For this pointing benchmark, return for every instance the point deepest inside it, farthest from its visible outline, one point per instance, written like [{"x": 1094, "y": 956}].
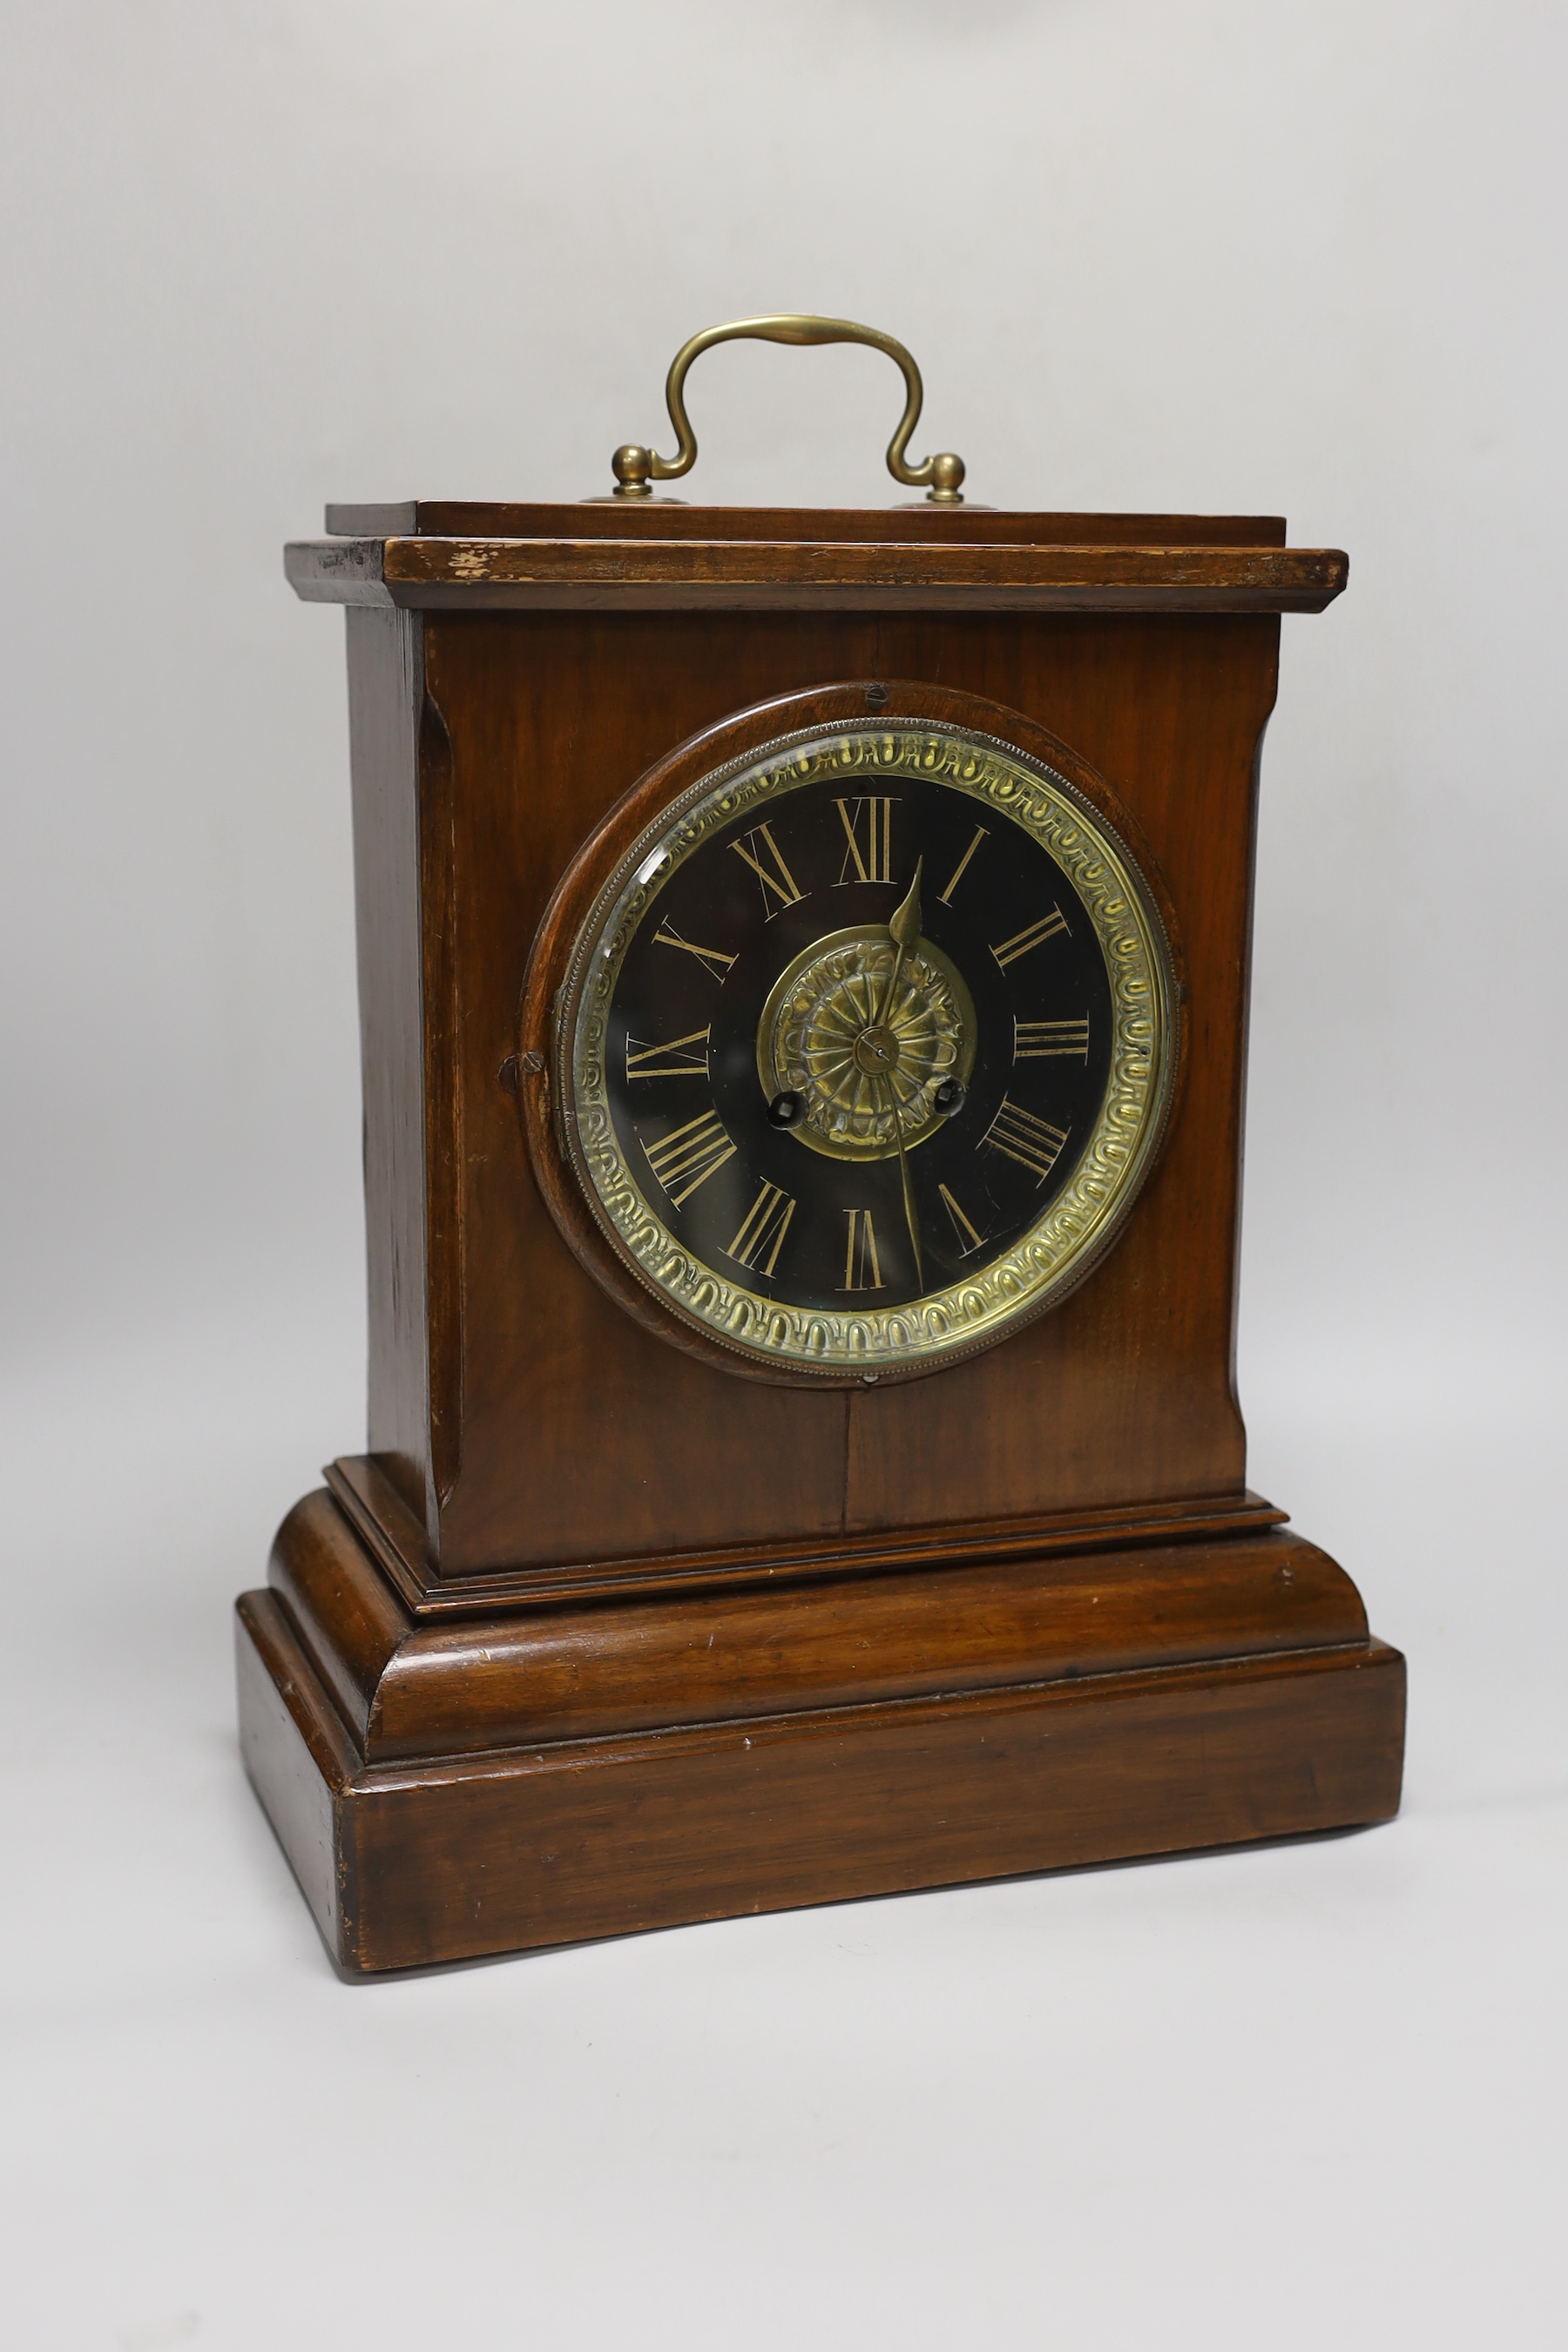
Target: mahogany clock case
[{"x": 597, "y": 1634}]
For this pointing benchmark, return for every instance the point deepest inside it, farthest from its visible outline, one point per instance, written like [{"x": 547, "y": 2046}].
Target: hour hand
[{"x": 905, "y": 928}]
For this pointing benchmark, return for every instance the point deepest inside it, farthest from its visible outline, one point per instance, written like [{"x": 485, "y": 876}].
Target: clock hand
[
  {"x": 904, "y": 1179},
  {"x": 905, "y": 928}
]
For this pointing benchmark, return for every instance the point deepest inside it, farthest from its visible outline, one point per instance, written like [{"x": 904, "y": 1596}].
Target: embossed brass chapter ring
[{"x": 864, "y": 1048}]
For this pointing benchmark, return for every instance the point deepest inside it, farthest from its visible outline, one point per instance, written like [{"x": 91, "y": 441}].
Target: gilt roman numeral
[
  {"x": 711, "y": 959},
  {"x": 868, "y": 829},
  {"x": 980, "y": 834},
  {"x": 861, "y": 1271},
  {"x": 1033, "y": 1142},
  {"x": 765, "y": 1223},
  {"x": 672, "y": 1061},
  {"x": 968, "y": 1240},
  {"x": 689, "y": 1155},
  {"x": 767, "y": 864},
  {"x": 1040, "y": 1041},
  {"x": 1009, "y": 950}
]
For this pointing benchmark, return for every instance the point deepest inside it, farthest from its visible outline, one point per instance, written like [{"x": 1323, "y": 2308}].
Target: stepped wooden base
[{"x": 548, "y": 1776}]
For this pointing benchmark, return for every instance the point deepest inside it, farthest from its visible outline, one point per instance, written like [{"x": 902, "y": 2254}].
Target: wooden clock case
[{"x": 597, "y": 1635}]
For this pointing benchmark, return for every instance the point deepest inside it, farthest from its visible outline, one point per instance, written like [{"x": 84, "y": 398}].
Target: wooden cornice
[{"x": 652, "y": 568}]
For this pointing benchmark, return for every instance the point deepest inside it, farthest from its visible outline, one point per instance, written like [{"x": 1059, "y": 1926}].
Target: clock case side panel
[
  {"x": 1243, "y": 1050},
  {"x": 386, "y": 673}
]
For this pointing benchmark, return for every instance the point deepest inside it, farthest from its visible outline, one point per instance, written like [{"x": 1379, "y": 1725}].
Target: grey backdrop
[{"x": 1302, "y": 259}]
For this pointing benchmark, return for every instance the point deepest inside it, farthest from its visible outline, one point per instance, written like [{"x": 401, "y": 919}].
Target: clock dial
[{"x": 868, "y": 1044}]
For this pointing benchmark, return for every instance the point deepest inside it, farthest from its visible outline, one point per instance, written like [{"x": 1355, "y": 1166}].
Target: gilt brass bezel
[{"x": 1080, "y": 1223}]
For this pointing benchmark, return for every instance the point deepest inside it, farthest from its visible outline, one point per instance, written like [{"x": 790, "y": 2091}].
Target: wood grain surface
[
  {"x": 395, "y": 1539},
  {"x": 424, "y": 1860},
  {"x": 588, "y": 574},
  {"x": 916, "y": 522},
  {"x": 525, "y": 1418},
  {"x": 409, "y": 1686}
]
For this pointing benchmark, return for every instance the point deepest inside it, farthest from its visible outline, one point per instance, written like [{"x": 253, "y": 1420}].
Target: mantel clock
[{"x": 802, "y": 981}]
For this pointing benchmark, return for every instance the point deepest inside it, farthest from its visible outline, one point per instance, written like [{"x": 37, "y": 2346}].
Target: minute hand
[
  {"x": 905, "y": 928},
  {"x": 909, "y": 1195}
]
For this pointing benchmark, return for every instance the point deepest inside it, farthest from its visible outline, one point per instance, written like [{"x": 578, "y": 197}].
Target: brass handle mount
[{"x": 636, "y": 468}]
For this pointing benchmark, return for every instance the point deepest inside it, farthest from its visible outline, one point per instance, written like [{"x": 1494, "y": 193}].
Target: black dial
[
  {"x": 869, "y": 1044},
  {"x": 764, "y": 971}
]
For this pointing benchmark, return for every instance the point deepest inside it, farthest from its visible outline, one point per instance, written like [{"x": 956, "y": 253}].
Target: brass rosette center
[{"x": 829, "y": 1033}]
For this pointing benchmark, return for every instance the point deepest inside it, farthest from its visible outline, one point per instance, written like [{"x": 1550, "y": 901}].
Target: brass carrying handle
[{"x": 636, "y": 468}]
